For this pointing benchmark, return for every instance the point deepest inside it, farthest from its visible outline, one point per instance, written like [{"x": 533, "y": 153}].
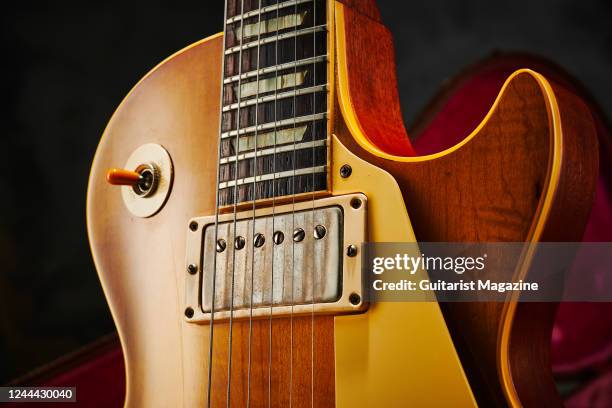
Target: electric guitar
[{"x": 235, "y": 186}]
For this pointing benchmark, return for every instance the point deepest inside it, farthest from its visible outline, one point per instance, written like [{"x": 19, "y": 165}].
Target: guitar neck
[{"x": 274, "y": 133}]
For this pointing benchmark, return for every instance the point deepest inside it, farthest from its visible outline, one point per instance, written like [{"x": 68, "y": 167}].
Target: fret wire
[
  {"x": 270, "y": 151},
  {"x": 270, "y": 176},
  {"x": 269, "y": 70},
  {"x": 269, "y": 40},
  {"x": 282, "y": 95},
  {"x": 254, "y": 13},
  {"x": 272, "y": 125},
  {"x": 283, "y": 188},
  {"x": 267, "y": 165}
]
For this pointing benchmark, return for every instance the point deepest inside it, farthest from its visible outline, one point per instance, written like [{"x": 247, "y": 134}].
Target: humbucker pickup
[{"x": 296, "y": 259}]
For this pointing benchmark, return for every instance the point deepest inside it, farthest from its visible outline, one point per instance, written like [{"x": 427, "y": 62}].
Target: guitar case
[{"x": 582, "y": 336}]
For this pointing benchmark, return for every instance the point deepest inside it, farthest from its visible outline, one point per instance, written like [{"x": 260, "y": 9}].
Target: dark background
[{"x": 69, "y": 64}]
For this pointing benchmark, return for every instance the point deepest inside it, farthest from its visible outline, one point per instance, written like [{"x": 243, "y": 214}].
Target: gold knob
[{"x": 122, "y": 177}]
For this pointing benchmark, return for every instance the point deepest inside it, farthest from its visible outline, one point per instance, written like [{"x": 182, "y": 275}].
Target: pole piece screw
[
  {"x": 221, "y": 245},
  {"x": 278, "y": 237},
  {"x": 259, "y": 240},
  {"x": 239, "y": 242},
  {"x": 298, "y": 235},
  {"x": 319, "y": 231}
]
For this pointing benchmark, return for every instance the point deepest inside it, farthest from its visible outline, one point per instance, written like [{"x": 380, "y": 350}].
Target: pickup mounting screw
[
  {"x": 345, "y": 171},
  {"x": 221, "y": 245},
  {"x": 351, "y": 250},
  {"x": 298, "y": 235},
  {"x": 259, "y": 240},
  {"x": 278, "y": 237},
  {"x": 239, "y": 242},
  {"x": 192, "y": 269},
  {"x": 355, "y": 299},
  {"x": 355, "y": 203},
  {"x": 319, "y": 231},
  {"x": 189, "y": 312},
  {"x": 193, "y": 226}
]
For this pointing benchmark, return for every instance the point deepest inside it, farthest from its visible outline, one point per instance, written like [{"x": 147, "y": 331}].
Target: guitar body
[{"x": 526, "y": 169}]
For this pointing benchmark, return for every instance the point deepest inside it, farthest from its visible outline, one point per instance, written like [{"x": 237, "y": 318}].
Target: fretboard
[{"x": 275, "y": 91}]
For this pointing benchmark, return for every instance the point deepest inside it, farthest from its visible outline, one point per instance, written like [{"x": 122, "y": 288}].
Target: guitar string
[
  {"x": 313, "y": 133},
  {"x": 248, "y": 403},
  {"x": 273, "y": 209},
  {"x": 235, "y": 209},
  {"x": 293, "y": 205},
  {"x": 217, "y": 204}
]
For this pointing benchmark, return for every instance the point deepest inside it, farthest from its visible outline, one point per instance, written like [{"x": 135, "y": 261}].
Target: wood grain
[
  {"x": 366, "y": 7},
  {"x": 374, "y": 83}
]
